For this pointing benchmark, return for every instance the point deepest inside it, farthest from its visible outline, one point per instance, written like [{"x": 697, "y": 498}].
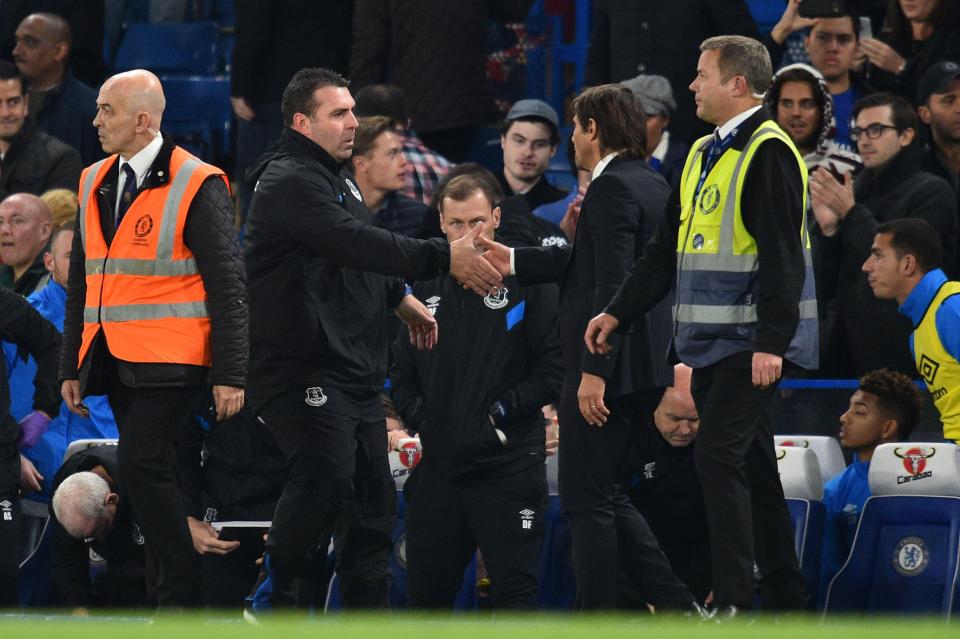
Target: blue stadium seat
[
  {"x": 800, "y": 475},
  {"x": 186, "y": 48},
  {"x": 904, "y": 558},
  {"x": 906, "y": 553},
  {"x": 198, "y": 114},
  {"x": 808, "y": 517}
]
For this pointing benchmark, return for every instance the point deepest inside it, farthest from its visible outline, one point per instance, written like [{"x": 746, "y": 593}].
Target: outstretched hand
[
  {"x": 470, "y": 268},
  {"x": 496, "y": 254}
]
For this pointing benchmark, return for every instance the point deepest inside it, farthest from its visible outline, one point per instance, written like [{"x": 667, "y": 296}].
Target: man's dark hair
[
  {"x": 382, "y": 99},
  {"x": 462, "y": 187},
  {"x": 9, "y": 71},
  {"x": 619, "y": 117},
  {"x": 916, "y": 237},
  {"x": 298, "y": 96},
  {"x": 854, "y": 23},
  {"x": 368, "y": 130},
  {"x": 904, "y": 117},
  {"x": 554, "y": 132},
  {"x": 492, "y": 188},
  {"x": 796, "y": 75},
  {"x": 898, "y": 398}
]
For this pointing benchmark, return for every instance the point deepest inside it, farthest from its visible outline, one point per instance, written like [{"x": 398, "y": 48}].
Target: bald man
[
  {"x": 664, "y": 487},
  {"x": 156, "y": 309},
  {"x": 62, "y": 105},
  {"x": 25, "y": 224}
]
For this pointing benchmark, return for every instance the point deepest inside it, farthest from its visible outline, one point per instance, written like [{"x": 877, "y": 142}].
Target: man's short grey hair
[
  {"x": 81, "y": 497},
  {"x": 744, "y": 56}
]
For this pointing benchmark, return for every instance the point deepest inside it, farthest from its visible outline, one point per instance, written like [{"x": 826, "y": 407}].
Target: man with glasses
[
  {"x": 870, "y": 334},
  {"x": 832, "y": 47}
]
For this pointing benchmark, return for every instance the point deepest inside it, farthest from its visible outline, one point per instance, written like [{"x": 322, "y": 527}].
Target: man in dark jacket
[
  {"x": 397, "y": 42},
  {"x": 529, "y": 138},
  {"x": 871, "y": 333},
  {"x": 167, "y": 317},
  {"x": 734, "y": 250},
  {"x": 111, "y": 533},
  {"x": 30, "y": 161},
  {"x": 620, "y": 210},
  {"x": 62, "y": 106},
  {"x": 664, "y": 486},
  {"x": 321, "y": 280},
  {"x": 475, "y": 400},
  {"x": 23, "y": 326},
  {"x": 660, "y": 37}
]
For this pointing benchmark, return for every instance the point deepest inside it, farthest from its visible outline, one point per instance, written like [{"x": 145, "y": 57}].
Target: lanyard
[{"x": 717, "y": 148}]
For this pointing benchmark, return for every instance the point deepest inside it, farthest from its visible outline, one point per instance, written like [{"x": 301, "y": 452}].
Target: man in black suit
[
  {"x": 737, "y": 254},
  {"x": 605, "y": 398}
]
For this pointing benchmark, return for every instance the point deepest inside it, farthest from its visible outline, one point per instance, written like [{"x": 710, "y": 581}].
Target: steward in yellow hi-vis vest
[
  {"x": 934, "y": 307},
  {"x": 717, "y": 260},
  {"x": 144, "y": 290}
]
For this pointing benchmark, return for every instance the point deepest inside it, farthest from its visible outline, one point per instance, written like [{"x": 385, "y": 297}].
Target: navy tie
[{"x": 129, "y": 191}]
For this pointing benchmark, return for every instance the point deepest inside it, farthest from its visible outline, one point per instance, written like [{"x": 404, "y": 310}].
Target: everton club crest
[{"x": 498, "y": 299}]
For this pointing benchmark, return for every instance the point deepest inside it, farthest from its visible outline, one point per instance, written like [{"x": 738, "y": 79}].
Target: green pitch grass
[{"x": 402, "y": 626}]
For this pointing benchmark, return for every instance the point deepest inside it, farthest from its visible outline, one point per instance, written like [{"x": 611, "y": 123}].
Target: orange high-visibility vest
[{"x": 144, "y": 290}]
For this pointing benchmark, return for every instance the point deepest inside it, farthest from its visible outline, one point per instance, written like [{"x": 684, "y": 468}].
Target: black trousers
[
  {"x": 607, "y": 533},
  {"x": 11, "y": 524},
  {"x": 227, "y": 578},
  {"x": 447, "y": 519},
  {"x": 747, "y": 516},
  {"x": 339, "y": 481},
  {"x": 150, "y": 421}
]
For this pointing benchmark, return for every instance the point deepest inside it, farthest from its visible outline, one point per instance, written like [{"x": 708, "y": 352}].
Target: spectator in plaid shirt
[{"x": 425, "y": 167}]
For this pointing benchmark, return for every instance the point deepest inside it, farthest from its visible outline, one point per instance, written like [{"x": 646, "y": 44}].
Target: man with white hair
[
  {"x": 91, "y": 513},
  {"x": 156, "y": 309}
]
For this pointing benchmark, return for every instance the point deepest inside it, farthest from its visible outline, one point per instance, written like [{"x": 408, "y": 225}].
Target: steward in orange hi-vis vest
[{"x": 144, "y": 290}]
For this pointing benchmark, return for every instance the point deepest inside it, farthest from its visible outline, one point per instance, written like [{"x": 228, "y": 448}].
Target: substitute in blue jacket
[
  {"x": 886, "y": 408},
  {"x": 905, "y": 264},
  {"x": 475, "y": 399},
  {"x": 47, "y": 452}
]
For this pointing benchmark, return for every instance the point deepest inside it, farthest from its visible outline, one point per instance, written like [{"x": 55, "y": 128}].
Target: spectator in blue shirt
[{"x": 886, "y": 408}]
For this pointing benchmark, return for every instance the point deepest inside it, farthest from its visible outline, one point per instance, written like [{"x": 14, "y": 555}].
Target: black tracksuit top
[{"x": 502, "y": 348}]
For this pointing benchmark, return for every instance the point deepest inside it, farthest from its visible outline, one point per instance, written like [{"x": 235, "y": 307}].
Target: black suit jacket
[{"x": 620, "y": 211}]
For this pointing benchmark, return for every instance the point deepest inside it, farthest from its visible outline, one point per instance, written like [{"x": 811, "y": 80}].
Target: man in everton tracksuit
[{"x": 475, "y": 400}]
